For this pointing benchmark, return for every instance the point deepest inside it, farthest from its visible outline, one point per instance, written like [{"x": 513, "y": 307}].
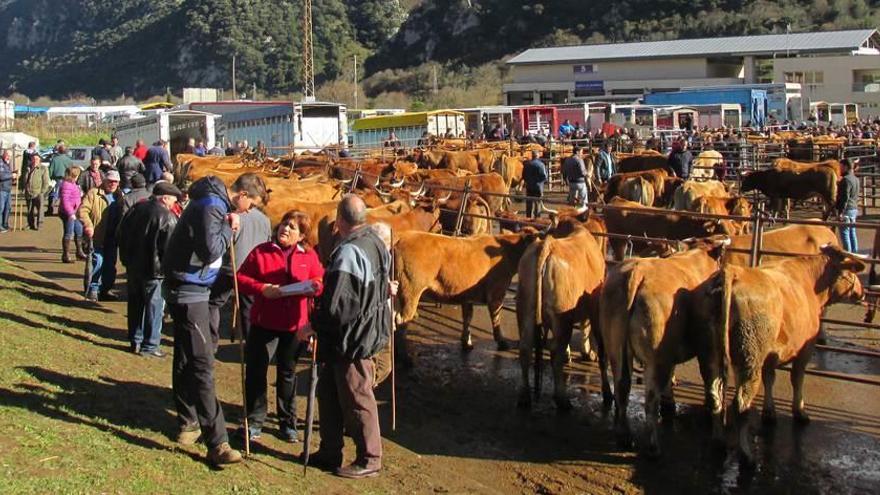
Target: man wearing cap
[
  {"x": 137, "y": 194},
  {"x": 143, "y": 240},
  {"x": 128, "y": 165},
  {"x": 99, "y": 214},
  {"x": 36, "y": 185}
]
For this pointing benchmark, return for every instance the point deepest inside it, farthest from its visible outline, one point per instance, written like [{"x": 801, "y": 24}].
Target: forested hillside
[{"x": 140, "y": 47}]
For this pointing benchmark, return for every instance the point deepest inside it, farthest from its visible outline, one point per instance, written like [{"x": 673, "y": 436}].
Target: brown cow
[
  {"x": 657, "y": 223},
  {"x": 723, "y": 205},
  {"x": 781, "y": 185},
  {"x": 788, "y": 164},
  {"x": 511, "y": 168},
  {"x": 655, "y": 177},
  {"x": 479, "y": 183},
  {"x": 645, "y": 315},
  {"x": 458, "y": 270},
  {"x": 769, "y": 316},
  {"x": 794, "y": 239},
  {"x": 639, "y": 190},
  {"x": 690, "y": 190},
  {"x": 643, "y": 162},
  {"x": 559, "y": 282}
]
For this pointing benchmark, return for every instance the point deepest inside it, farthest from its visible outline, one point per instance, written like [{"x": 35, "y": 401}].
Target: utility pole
[
  {"x": 355, "y": 80},
  {"x": 434, "y": 77},
  {"x": 234, "y": 93},
  {"x": 308, "y": 68},
  {"x": 254, "y": 92}
]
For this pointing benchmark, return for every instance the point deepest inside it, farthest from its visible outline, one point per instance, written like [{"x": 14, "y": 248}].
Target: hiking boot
[
  {"x": 223, "y": 454},
  {"x": 155, "y": 353},
  {"x": 355, "y": 472},
  {"x": 288, "y": 433},
  {"x": 92, "y": 296},
  {"x": 65, "y": 251},
  {"x": 254, "y": 433},
  {"x": 323, "y": 461},
  {"x": 78, "y": 244},
  {"x": 189, "y": 435},
  {"x": 135, "y": 348},
  {"x": 108, "y": 296}
]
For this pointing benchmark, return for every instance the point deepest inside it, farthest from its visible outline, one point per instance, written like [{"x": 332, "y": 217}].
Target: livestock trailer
[
  {"x": 531, "y": 119},
  {"x": 753, "y": 102},
  {"x": 481, "y": 120},
  {"x": 834, "y": 113},
  {"x": 285, "y": 127},
  {"x": 175, "y": 127},
  {"x": 408, "y": 128}
]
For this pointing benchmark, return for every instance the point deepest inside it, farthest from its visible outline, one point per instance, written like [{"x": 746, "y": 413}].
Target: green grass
[{"x": 80, "y": 415}]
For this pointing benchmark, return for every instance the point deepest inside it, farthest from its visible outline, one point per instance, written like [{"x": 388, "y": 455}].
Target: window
[{"x": 808, "y": 78}]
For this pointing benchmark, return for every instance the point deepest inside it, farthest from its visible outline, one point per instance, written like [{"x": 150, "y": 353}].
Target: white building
[{"x": 833, "y": 66}]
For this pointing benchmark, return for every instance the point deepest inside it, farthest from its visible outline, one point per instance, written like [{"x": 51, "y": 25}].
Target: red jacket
[
  {"x": 140, "y": 152},
  {"x": 268, "y": 263}
]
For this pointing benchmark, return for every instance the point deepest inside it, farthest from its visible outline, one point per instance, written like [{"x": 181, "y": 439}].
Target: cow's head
[
  {"x": 841, "y": 274},
  {"x": 714, "y": 245},
  {"x": 749, "y": 182}
]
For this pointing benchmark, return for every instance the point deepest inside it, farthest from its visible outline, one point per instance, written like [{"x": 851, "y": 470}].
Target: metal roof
[{"x": 824, "y": 41}]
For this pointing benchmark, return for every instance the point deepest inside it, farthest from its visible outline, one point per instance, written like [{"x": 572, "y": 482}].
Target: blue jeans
[
  {"x": 5, "y": 207},
  {"x": 103, "y": 269},
  {"x": 577, "y": 193},
  {"x": 72, "y": 227},
  {"x": 848, "y": 239},
  {"x": 146, "y": 308}
]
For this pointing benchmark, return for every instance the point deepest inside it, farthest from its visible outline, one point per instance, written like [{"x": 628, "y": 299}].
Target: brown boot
[
  {"x": 65, "y": 250},
  {"x": 80, "y": 253},
  {"x": 223, "y": 454}
]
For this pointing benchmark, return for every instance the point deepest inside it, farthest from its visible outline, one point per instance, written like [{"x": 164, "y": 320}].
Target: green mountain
[{"x": 104, "y": 49}]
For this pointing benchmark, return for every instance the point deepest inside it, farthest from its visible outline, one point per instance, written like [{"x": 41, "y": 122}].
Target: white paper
[{"x": 297, "y": 288}]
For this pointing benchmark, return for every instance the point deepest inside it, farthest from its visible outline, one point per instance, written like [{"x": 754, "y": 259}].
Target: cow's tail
[
  {"x": 722, "y": 333},
  {"x": 633, "y": 284},
  {"x": 540, "y": 268}
]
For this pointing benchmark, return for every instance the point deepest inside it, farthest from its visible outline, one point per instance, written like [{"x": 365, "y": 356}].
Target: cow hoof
[
  {"x": 503, "y": 345},
  {"x": 563, "y": 405},
  {"x": 590, "y": 357},
  {"x": 768, "y": 417},
  {"x": 467, "y": 346},
  {"x": 801, "y": 418}
]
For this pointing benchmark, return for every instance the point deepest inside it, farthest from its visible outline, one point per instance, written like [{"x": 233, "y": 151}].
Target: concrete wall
[
  {"x": 838, "y": 74},
  {"x": 685, "y": 68}
]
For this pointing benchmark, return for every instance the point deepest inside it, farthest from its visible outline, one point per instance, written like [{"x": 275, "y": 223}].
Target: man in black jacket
[
  {"x": 128, "y": 166},
  {"x": 192, "y": 263},
  {"x": 143, "y": 241},
  {"x": 680, "y": 159},
  {"x": 353, "y": 323},
  {"x": 534, "y": 175}
]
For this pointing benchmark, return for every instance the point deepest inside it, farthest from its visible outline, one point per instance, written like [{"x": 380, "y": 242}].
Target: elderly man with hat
[
  {"x": 99, "y": 213},
  {"x": 143, "y": 241}
]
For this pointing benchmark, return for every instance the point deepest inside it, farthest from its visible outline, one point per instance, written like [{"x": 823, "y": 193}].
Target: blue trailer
[{"x": 753, "y": 102}]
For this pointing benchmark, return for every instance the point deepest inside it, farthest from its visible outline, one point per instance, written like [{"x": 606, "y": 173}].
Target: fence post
[
  {"x": 354, "y": 181},
  {"x": 756, "y": 236},
  {"x": 460, "y": 218}
]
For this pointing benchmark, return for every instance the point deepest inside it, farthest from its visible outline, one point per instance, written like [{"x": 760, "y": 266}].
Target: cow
[
  {"x": 655, "y": 177},
  {"x": 645, "y": 314},
  {"x": 485, "y": 160},
  {"x": 642, "y": 221},
  {"x": 639, "y": 190},
  {"x": 458, "y": 270},
  {"x": 643, "y": 162},
  {"x": 690, "y": 190},
  {"x": 559, "y": 282},
  {"x": 490, "y": 187},
  {"x": 779, "y": 185},
  {"x": 452, "y": 160},
  {"x": 789, "y": 164},
  {"x": 723, "y": 205},
  {"x": 511, "y": 169},
  {"x": 794, "y": 239},
  {"x": 765, "y": 317},
  {"x": 706, "y": 163}
]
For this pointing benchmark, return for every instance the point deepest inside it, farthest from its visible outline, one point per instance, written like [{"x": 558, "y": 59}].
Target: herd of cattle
[{"x": 670, "y": 304}]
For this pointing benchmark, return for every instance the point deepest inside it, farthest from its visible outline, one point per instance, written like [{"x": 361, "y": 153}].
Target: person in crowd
[
  {"x": 102, "y": 151},
  {"x": 201, "y": 149},
  {"x": 190, "y": 147},
  {"x": 566, "y": 129},
  {"x": 143, "y": 242},
  {"x": 128, "y": 166},
  {"x": 848, "y": 205},
  {"x": 57, "y": 167},
  {"x": 91, "y": 176},
  {"x": 140, "y": 150},
  {"x": 35, "y": 186},
  {"x": 69, "y": 200},
  {"x": 574, "y": 172},
  {"x": 99, "y": 214},
  {"x": 353, "y": 324},
  {"x": 255, "y": 229},
  {"x": 680, "y": 159},
  {"x": 276, "y": 316},
  {"x": 534, "y": 175},
  {"x": 606, "y": 163},
  {"x": 192, "y": 263},
  {"x": 244, "y": 147},
  {"x": 230, "y": 149},
  {"x": 115, "y": 150},
  {"x": 137, "y": 194},
  {"x": 541, "y": 137},
  {"x": 216, "y": 150},
  {"x": 7, "y": 175},
  {"x": 28, "y": 156},
  {"x": 391, "y": 141},
  {"x": 156, "y": 162}
]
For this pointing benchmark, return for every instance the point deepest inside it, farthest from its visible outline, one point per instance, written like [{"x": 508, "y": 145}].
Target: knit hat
[{"x": 166, "y": 189}]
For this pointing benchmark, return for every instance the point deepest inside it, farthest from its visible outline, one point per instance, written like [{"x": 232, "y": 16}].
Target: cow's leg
[
  {"x": 618, "y": 249},
  {"x": 589, "y": 343},
  {"x": 407, "y": 313},
  {"x": 666, "y": 379},
  {"x": 652, "y": 406},
  {"x": 768, "y": 376},
  {"x": 798, "y": 371},
  {"x": 746, "y": 389},
  {"x": 713, "y": 388},
  {"x": 494, "y": 307},
  {"x": 528, "y": 342},
  {"x": 561, "y": 337},
  {"x": 621, "y": 369},
  {"x": 467, "y": 314}
]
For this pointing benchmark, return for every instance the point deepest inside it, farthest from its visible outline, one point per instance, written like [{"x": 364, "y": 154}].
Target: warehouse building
[{"x": 832, "y": 66}]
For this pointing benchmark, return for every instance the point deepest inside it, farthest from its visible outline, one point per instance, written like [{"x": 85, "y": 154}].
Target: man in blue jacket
[
  {"x": 156, "y": 162},
  {"x": 7, "y": 174},
  {"x": 534, "y": 175},
  {"x": 191, "y": 265}
]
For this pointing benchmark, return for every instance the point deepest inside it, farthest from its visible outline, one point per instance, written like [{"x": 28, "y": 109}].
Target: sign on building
[{"x": 585, "y": 68}]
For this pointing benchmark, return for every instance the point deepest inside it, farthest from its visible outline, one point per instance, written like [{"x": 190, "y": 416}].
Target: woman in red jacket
[{"x": 282, "y": 275}]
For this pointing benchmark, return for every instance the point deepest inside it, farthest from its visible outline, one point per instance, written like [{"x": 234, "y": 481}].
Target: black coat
[{"x": 143, "y": 237}]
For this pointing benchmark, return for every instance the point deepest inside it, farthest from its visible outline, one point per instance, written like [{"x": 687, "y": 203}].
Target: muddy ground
[{"x": 459, "y": 430}]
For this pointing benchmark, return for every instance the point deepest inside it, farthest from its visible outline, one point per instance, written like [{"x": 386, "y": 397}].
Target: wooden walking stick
[
  {"x": 236, "y": 324},
  {"x": 393, "y": 330}
]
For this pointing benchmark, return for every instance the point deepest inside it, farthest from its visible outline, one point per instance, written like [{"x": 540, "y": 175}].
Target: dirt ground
[{"x": 458, "y": 427}]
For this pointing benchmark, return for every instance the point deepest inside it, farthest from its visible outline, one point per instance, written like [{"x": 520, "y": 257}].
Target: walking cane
[
  {"x": 393, "y": 331},
  {"x": 310, "y": 403},
  {"x": 236, "y": 324}
]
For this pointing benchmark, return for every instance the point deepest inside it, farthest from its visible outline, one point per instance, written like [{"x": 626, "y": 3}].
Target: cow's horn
[
  {"x": 347, "y": 181},
  {"x": 548, "y": 210},
  {"x": 420, "y": 192},
  {"x": 396, "y": 185}
]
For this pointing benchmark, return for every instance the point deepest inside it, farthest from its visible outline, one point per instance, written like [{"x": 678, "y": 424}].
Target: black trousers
[
  {"x": 192, "y": 378},
  {"x": 221, "y": 292},
  {"x": 262, "y": 345},
  {"x": 35, "y": 212}
]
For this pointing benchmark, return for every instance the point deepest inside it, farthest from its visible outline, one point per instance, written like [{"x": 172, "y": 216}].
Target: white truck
[{"x": 174, "y": 127}]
